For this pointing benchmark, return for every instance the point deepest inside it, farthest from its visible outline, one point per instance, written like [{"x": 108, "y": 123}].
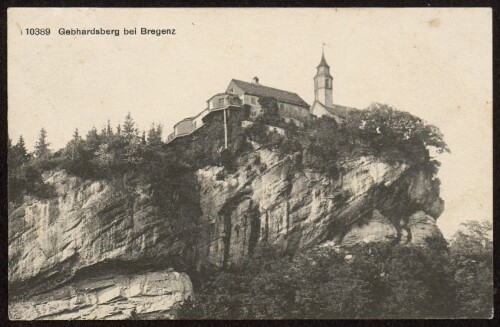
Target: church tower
[{"x": 323, "y": 83}]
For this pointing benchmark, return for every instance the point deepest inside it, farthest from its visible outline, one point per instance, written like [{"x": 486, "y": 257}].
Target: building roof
[
  {"x": 265, "y": 91},
  {"x": 225, "y": 93},
  {"x": 323, "y": 61},
  {"x": 337, "y": 110},
  {"x": 184, "y": 120}
]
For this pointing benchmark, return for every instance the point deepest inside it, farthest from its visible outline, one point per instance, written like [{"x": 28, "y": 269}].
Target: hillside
[{"x": 129, "y": 240}]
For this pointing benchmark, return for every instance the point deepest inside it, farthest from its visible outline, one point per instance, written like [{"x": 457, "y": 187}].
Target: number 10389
[{"x": 38, "y": 31}]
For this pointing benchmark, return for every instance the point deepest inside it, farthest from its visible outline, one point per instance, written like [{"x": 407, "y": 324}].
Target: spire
[{"x": 323, "y": 60}]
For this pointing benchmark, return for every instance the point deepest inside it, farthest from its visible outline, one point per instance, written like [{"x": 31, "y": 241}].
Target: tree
[
  {"x": 154, "y": 134},
  {"x": 76, "y": 136},
  {"x": 270, "y": 111},
  {"x": 102, "y": 133},
  {"x": 365, "y": 281},
  {"x": 21, "y": 149},
  {"x": 471, "y": 251},
  {"x": 129, "y": 129},
  {"x": 74, "y": 146},
  {"x": 395, "y": 135},
  {"x": 321, "y": 139},
  {"x": 159, "y": 131},
  {"x": 42, "y": 146},
  {"x": 17, "y": 158},
  {"x": 93, "y": 140},
  {"x": 17, "y": 154},
  {"x": 10, "y": 152},
  {"x": 109, "y": 130},
  {"x": 104, "y": 160}
]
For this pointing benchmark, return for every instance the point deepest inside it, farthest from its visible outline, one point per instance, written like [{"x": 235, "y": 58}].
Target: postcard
[{"x": 250, "y": 163}]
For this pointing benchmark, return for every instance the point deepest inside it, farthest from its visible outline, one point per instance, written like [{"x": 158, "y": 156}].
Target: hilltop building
[
  {"x": 218, "y": 102},
  {"x": 291, "y": 107},
  {"x": 323, "y": 95}
]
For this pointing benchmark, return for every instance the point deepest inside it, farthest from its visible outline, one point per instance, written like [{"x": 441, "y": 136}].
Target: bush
[
  {"x": 378, "y": 281},
  {"x": 323, "y": 145},
  {"x": 27, "y": 180},
  {"x": 386, "y": 130},
  {"x": 471, "y": 252}
]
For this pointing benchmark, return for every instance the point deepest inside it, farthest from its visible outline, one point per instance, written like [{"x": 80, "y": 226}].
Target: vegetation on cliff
[
  {"x": 379, "y": 130},
  {"x": 370, "y": 281}
]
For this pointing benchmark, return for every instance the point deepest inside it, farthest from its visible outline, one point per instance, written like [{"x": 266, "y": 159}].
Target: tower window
[{"x": 327, "y": 83}]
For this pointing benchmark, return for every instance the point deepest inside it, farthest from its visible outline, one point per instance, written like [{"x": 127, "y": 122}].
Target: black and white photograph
[{"x": 250, "y": 163}]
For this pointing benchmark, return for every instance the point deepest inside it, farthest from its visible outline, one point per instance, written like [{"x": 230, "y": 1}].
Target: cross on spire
[{"x": 323, "y": 60}]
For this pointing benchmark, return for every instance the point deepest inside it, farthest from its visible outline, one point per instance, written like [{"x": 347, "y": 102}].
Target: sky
[{"x": 433, "y": 63}]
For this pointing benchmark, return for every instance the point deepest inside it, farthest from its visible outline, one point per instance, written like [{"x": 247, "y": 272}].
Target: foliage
[
  {"x": 24, "y": 178},
  {"x": 270, "y": 112},
  {"x": 42, "y": 146},
  {"x": 322, "y": 139},
  {"x": 471, "y": 251},
  {"x": 98, "y": 155},
  {"x": 27, "y": 180},
  {"x": 379, "y": 282},
  {"x": 387, "y": 130},
  {"x": 379, "y": 130},
  {"x": 129, "y": 129},
  {"x": 17, "y": 155},
  {"x": 364, "y": 281},
  {"x": 323, "y": 144},
  {"x": 370, "y": 281},
  {"x": 155, "y": 135}
]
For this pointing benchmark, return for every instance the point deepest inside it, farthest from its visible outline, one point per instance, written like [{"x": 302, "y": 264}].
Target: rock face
[
  {"x": 204, "y": 220},
  {"x": 377, "y": 229},
  {"x": 422, "y": 227},
  {"x": 150, "y": 295}
]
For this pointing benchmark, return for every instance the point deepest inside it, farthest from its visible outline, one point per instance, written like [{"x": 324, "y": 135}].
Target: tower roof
[
  {"x": 265, "y": 91},
  {"x": 323, "y": 61}
]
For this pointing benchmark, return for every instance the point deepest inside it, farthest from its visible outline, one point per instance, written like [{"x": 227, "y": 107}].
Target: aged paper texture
[{"x": 250, "y": 163}]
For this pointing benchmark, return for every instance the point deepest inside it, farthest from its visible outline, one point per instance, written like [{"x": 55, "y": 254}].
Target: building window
[
  {"x": 327, "y": 82},
  {"x": 282, "y": 106},
  {"x": 231, "y": 91},
  {"x": 221, "y": 102},
  {"x": 252, "y": 100}
]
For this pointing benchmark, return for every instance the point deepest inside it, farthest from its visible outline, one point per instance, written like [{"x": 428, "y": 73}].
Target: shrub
[
  {"x": 471, "y": 252},
  {"x": 379, "y": 281}
]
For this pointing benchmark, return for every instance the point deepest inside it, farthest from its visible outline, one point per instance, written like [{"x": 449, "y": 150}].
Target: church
[
  {"x": 323, "y": 95},
  {"x": 291, "y": 107}
]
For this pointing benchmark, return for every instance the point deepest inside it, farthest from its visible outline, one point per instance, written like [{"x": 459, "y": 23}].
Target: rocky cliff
[{"x": 110, "y": 249}]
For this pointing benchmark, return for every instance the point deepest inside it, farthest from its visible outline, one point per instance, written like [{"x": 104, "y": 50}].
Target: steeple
[
  {"x": 323, "y": 82},
  {"x": 323, "y": 60}
]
